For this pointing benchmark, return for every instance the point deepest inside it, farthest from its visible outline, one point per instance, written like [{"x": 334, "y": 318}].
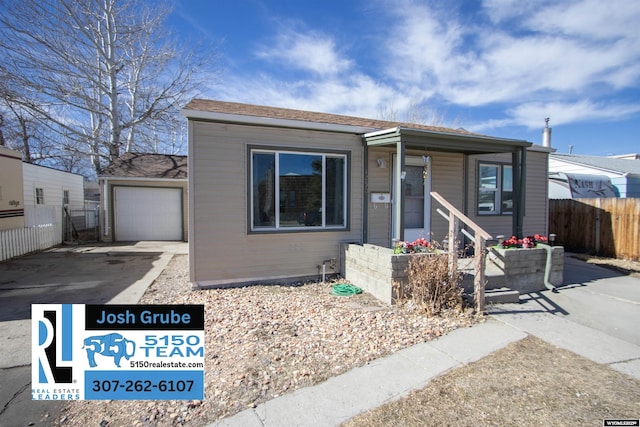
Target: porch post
[
  {"x": 523, "y": 190},
  {"x": 518, "y": 160},
  {"x": 398, "y": 225}
]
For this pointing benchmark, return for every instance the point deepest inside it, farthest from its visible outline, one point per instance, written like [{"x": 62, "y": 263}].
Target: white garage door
[{"x": 144, "y": 213}]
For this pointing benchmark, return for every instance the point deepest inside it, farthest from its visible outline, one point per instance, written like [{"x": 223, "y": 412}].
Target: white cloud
[
  {"x": 531, "y": 114},
  {"x": 534, "y": 59},
  {"x": 590, "y": 19},
  {"x": 310, "y": 51},
  {"x": 502, "y": 10},
  {"x": 519, "y": 52},
  {"x": 356, "y": 95},
  {"x": 421, "y": 39},
  {"x": 565, "y": 112},
  {"x": 324, "y": 79}
]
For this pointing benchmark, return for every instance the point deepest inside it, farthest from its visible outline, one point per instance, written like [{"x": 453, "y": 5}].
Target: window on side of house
[
  {"x": 495, "y": 189},
  {"x": 65, "y": 197},
  {"x": 298, "y": 190},
  {"x": 39, "y": 196}
]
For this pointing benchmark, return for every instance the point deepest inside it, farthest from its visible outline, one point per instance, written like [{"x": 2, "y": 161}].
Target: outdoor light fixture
[
  {"x": 403, "y": 175},
  {"x": 552, "y": 238},
  {"x": 381, "y": 163},
  {"x": 425, "y": 168},
  {"x": 500, "y": 239}
]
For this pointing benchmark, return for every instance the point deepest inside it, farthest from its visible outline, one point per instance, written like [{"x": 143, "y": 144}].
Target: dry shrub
[{"x": 431, "y": 285}]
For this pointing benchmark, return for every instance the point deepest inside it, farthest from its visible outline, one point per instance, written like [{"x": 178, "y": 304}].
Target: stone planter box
[
  {"x": 524, "y": 268},
  {"x": 375, "y": 269}
]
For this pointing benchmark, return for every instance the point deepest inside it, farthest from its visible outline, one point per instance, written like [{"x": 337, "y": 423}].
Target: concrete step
[
  {"x": 501, "y": 296},
  {"x": 493, "y": 276},
  {"x": 496, "y": 296},
  {"x": 496, "y": 289}
]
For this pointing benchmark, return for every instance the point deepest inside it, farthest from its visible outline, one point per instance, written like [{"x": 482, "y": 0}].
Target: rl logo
[{"x": 52, "y": 343}]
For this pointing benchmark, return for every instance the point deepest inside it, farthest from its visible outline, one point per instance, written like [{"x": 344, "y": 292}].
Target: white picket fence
[
  {"x": 20, "y": 241},
  {"x": 43, "y": 230}
]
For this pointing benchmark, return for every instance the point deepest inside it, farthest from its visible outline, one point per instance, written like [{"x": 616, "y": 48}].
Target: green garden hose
[{"x": 345, "y": 289}]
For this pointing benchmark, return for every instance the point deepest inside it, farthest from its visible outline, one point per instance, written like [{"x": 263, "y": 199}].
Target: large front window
[
  {"x": 495, "y": 189},
  {"x": 295, "y": 190}
]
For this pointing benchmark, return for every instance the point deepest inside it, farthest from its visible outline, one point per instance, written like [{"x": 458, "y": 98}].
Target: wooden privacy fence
[{"x": 607, "y": 227}]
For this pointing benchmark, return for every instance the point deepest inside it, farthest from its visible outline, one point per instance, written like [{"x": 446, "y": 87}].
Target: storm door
[{"x": 417, "y": 200}]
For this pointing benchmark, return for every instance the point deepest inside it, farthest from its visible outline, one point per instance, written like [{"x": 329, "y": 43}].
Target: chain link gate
[{"x": 81, "y": 225}]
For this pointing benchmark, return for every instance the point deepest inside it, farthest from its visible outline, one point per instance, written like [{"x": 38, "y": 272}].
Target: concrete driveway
[
  {"x": 595, "y": 314},
  {"x": 98, "y": 274}
]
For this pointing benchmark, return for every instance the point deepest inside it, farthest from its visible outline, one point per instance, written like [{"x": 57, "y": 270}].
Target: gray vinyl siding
[
  {"x": 536, "y": 213},
  {"x": 448, "y": 180},
  {"x": 536, "y": 196},
  {"x": 222, "y": 249},
  {"x": 379, "y": 214}
]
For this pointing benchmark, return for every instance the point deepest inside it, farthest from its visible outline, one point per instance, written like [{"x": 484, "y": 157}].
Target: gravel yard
[{"x": 265, "y": 341}]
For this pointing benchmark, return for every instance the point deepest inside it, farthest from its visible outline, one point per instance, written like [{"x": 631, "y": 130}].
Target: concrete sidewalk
[
  {"x": 595, "y": 315},
  {"x": 340, "y": 398}
]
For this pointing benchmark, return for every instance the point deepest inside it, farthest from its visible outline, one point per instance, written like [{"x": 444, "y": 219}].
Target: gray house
[{"x": 273, "y": 192}]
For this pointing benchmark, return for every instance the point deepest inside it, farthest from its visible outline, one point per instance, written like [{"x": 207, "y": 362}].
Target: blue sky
[{"x": 496, "y": 67}]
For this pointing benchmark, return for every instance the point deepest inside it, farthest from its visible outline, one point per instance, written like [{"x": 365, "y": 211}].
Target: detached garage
[{"x": 144, "y": 197}]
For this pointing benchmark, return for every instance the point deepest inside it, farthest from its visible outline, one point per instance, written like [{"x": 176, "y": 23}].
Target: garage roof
[{"x": 147, "y": 165}]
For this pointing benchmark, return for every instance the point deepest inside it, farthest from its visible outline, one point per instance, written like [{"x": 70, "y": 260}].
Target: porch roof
[{"x": 444, "y": 141}]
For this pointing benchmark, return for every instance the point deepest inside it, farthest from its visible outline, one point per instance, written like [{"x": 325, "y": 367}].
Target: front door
[{"x": 417, "y": 198}]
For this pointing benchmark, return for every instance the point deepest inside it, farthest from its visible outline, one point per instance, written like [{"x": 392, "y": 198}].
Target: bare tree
[
  {"x": 388, "y": 113},
  {"x": 418, "y": 113},
  {"x": 98, "y": 73}
]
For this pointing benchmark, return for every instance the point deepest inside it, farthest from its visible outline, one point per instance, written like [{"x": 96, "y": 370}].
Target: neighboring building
[
  {"x": 617, "y": 176},
  {"x": 11, "y": 191},
  {"x": 36, "y": 205},
  {"x": 143, "y": 197},
  {"x": 47, "y": 192},
  {"x": 273, "y": 192}
]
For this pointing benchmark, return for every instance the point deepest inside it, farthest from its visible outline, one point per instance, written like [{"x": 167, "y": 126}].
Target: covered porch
[
  {"x": 403, "y": 166},
  {"x": 432, "y": 192}
]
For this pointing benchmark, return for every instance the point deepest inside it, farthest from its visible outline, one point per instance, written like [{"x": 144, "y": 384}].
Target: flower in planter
[
  {"x": 418, "y": 246},
  {"x": 527, "y": 242}
]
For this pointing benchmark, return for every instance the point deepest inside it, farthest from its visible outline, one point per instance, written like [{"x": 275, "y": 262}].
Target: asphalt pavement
[{"x": 97, "y": 274}]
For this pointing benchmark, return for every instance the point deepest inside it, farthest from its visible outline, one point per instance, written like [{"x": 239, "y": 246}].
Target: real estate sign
[{"x": 117, "y": 352}]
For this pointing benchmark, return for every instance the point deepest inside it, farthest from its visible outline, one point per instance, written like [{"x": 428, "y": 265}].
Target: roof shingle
[{"x": 306, "y": 116}]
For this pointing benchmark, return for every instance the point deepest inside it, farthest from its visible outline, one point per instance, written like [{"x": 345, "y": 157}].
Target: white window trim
[
  {"x": 39, "y": 200},
  {"x": 278, "y": 227}
]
